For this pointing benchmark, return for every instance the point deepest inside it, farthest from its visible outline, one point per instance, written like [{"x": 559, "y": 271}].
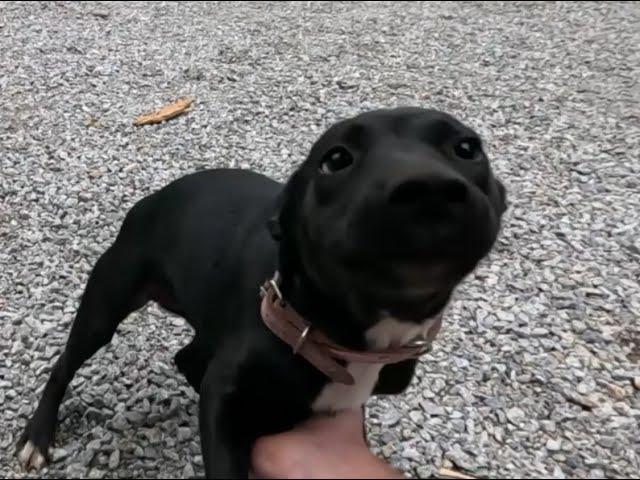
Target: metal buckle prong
[
  {"x": 276, "y": 289},
  {"x": 273, "y": 283},
  {"x": 303, "y": 337},
  {"x": 425, "y": 346}
]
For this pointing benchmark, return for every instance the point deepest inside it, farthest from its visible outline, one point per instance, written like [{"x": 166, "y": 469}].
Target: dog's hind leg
[
  {"x": 192, "y": 362},
  {"x": 189, "y": 364},
  {"x": 116, "y": 287}
]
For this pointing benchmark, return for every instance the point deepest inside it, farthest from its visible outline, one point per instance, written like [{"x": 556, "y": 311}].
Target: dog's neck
[
  {"x": 329, "y": 313},
  {"x": 345, "y": 318}
]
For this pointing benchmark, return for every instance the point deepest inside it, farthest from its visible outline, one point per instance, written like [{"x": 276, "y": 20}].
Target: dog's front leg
[{"x": 223, "y": 433}]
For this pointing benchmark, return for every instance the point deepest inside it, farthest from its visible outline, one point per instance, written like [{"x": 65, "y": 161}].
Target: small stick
[
  {"x": 448, "y": 473},
  {"x": 165, "y": 113}
]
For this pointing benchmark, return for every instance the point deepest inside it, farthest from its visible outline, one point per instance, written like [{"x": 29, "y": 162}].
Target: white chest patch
[
  {"x": 336, "y": 396},
  {"x": 387, "y": 332}
]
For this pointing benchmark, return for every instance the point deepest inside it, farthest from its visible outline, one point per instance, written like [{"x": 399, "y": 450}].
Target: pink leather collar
[{"x": 316, "y": 347}]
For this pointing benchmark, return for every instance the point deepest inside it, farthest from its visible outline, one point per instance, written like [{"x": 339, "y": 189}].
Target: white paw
[{"x": 30, "y": 457}]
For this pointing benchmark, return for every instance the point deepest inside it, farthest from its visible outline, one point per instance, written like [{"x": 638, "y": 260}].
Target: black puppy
[{"x": 372, "y": 233}]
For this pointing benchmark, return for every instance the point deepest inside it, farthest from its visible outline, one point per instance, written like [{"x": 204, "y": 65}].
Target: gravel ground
[{"x": 534, "y": 373}]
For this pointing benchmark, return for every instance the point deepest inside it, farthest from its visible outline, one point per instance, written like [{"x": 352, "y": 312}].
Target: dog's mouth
[
  {"x": 409, "y": 286},
  {"x": 411, "y": 292}
]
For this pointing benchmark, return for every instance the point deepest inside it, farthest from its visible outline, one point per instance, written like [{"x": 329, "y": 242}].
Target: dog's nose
[{"x": 432, "y": 192}]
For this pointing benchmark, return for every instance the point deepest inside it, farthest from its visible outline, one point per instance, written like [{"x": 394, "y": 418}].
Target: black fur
[{"x": 395, "y": 231}]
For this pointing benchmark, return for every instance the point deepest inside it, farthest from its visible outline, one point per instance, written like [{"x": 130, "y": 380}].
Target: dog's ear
[
  {"x": 283, "y": 210},
  {"x": 497, "y": 194}
]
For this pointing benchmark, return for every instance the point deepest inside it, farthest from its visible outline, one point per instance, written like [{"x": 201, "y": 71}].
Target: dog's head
[{"x": 393, "y": 207}]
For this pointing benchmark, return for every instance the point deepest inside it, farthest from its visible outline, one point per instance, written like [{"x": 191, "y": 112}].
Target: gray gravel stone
[
  {"x": 136, "y": 418},
  {"x": 540, "y": 332},
  {"x": 96, "y": 473},
  {"x": 432, "y": 409},
  {"x": 425, "y": 471},
  {"x": 188, "y": 471},
  {"x": 94, "y": 444},
  {"x": 59, "y": 454},
  {"x": 515, "y": 415},
  {"x": 412, "y": 454},
  {"x": 75, "y": 471},
  {"x": 185, "y": 433},
  {"x": 585, "y": 387},
  {"x": 86, "y": 457},
  {"x": 416, "y": 417},
  {"x": 120, "y": 423},
  {"x": 114, "y": 459},
  {"x": 461, "y": 459},
  {"x": 554, "y": 445},
  {"x": 171, "y": 455},
  {"x": 548, "y": 426},
  {"x": 390, "y": 418},
  {"x": 558, "y": 472}
]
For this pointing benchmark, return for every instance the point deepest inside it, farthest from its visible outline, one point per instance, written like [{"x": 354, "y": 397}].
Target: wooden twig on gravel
[
  {"x": 448, "y": 473},
  {"x": 165, "y": 113}
]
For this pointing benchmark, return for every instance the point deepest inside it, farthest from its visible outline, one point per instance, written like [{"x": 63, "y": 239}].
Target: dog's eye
[
  {"x": 467, "y": 148},
  {"x": 335, "y": 160}
]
